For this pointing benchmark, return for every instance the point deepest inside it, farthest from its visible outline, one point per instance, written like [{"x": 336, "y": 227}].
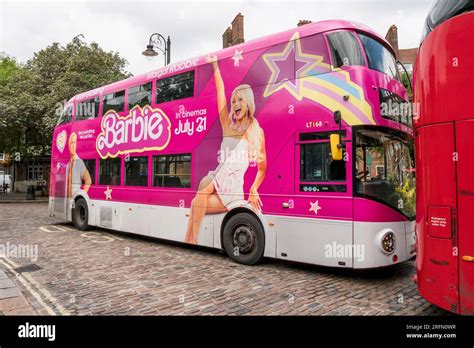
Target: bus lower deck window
[
  {"x": 136, "y": 171},
  {"x": 109, "y": 171},
  {"x": 172, "y": 171}
]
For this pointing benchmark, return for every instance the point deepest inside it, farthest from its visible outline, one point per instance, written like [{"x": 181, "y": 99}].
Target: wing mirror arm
[{"x": 336, "y": 139}]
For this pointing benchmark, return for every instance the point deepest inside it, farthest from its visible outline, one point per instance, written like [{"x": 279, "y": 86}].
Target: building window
[
  {"x": 2, "y": 156},
  {"x": 114, "y": 101},
  {"x": 109, "y": 171},
  {"x": 88, "y": 109},
  {"x": 175, "y": 87},
  {"x": 316, "y": 164},
  {"x": 35, "y": 170},
  {"x": 136, "y": 171},
  {"x": 380, "y": 171},
  {"x": 345, "y": 49},
  {"x": 139, "y": 95},
  {"x": 172, "y": 171},
  {"x": 90, "y": 166}
]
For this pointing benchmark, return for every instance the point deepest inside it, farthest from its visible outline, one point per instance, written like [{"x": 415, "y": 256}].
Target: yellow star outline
[{"x": 296, "y": 88}]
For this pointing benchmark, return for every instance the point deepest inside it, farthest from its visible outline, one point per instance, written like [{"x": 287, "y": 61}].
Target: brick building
[{"x": 26, "y": 172}]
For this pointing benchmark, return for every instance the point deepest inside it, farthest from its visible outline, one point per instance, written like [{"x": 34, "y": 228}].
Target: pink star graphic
[
  {"x": 108, "y": 193},
  {"x": 281, "y": 65},
  {"x": 315, "y": 207}
]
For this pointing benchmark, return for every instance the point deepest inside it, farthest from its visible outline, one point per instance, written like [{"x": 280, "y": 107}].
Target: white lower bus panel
[{"x": 334, "y": 243}]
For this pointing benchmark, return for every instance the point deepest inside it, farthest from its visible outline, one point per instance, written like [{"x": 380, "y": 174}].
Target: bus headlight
[{"x": 388, "y": 242}]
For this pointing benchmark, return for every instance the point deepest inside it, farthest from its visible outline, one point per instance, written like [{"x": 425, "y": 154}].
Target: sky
[{"x": 195, "y": 27}]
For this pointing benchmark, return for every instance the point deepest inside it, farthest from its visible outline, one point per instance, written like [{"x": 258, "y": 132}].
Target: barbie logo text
[{"x": 141, "y": 130}]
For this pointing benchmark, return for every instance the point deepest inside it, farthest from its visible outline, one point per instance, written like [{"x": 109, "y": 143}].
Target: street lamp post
[{"x": 158, "y": 41}]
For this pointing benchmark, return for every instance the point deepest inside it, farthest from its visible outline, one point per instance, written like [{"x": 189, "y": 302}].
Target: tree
[
  {"x": 31, "y": 93},
  {"x": 407, "y": 82},
  {"x": 8, "y": 67}
]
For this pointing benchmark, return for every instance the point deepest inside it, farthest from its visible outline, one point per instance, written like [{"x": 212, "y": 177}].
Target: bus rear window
[
  {"x": 87, "y": 109},
  {"x": 345, "y": 49},
  {"x": 175, "y": 87},
  {"x": 114, "y": 101},
  {"x": 378, "y": 56}
]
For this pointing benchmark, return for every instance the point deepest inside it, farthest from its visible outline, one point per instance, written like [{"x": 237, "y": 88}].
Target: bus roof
[{"x": 252, "y": 45}]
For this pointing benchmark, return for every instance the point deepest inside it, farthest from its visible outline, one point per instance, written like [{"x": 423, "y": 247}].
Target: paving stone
[
  {"x": 12, "y": 303},
  {"x": 21, "y": 311},
  {"x": 91, "y": 275},
  {"x": 6, "y": 283},
  {"x": 9, "y": 293}
]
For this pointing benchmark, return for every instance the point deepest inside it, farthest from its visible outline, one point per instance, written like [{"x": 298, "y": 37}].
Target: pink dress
[{"x": 228, "y": 178}]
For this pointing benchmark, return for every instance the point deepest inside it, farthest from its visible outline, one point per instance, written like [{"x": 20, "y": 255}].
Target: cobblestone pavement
[{"x": 102, "y": 272}]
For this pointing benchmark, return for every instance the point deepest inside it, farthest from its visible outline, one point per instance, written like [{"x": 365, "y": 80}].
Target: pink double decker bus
[{"x": 285, "y": 147}]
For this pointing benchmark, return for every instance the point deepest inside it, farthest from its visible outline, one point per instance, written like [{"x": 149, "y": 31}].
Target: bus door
[
  {"x": 465, "y": 170},
  {"x": 437, "y": 259}
]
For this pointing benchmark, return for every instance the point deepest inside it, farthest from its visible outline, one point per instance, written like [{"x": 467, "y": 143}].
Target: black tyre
[
  {"x": 80, "y": 215},
  {"x": 244, "y": 239}
]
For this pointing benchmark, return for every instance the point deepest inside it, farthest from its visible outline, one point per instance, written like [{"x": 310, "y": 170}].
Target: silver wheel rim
[{"x": 244, "y": 238}]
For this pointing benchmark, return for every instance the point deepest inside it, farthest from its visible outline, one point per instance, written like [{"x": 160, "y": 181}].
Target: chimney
[
  {"x": 227, "y": 38},
  {"x": 234, "y": 35},
  {"x": 392, "y": 38},
  {"x": 303, "y": 22}
]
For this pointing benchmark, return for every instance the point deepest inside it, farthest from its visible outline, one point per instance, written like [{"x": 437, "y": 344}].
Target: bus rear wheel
[
  {"x": 244, "y": 239},
  {"x": 80, "y": 215}
]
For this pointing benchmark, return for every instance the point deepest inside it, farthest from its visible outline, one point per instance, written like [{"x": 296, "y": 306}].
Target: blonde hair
[
  {"x": 73, "y": 135},
  {"x": 247, "y": 92},
  {"x": 253, "y": 132}
]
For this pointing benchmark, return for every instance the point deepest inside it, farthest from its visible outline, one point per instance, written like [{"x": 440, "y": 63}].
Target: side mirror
[{"x": 336, "y": 148}]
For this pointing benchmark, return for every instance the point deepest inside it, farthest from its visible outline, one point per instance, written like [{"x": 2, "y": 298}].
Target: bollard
[{"x": 30, "y": 192}]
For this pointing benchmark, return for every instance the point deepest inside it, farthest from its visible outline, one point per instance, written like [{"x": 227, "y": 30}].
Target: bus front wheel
[
  {"x": 244, "y": 239},
  {"x": 80, "y": 215}
]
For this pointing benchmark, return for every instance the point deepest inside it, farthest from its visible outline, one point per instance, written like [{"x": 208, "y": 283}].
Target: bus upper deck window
[
  {"x": 114, "y": 101},
  {"x": 87, "y": 109},
  {"x": 345, "y": 50},
  {"x": 139, "y": 95},
  {"x": 65, "y": 116},
  {"x": 175, "y": 87}
]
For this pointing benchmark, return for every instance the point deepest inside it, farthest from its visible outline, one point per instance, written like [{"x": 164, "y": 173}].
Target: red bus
[{"x": 444, "y": 142}]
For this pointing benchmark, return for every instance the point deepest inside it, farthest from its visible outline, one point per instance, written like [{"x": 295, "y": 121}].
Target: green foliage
[
  {"x": 406, "y": 81},
  {"x": 408, "y": 195},
  {"x": 32, "y": 93},
  {"x": 8, "y": 67}
]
